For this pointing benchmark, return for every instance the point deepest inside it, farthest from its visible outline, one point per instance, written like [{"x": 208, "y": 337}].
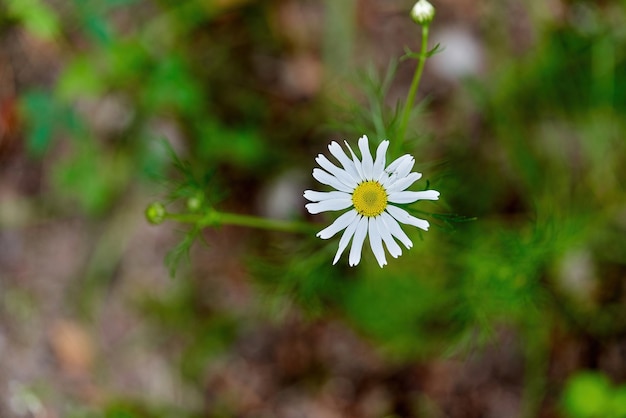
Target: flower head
[
  {"x": 423, "y": 12},
  {"x": 370, "y": 190}
]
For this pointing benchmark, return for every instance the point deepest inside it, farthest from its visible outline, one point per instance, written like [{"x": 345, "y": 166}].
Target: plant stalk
[
  {"x": 410, "y": 99},
  {"x": 215, "y": 218}
]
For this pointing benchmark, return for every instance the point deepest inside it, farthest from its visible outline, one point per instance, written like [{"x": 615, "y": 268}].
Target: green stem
[
  {"x": 215, "y": 218},
  {"x": 410, "y": 98}
]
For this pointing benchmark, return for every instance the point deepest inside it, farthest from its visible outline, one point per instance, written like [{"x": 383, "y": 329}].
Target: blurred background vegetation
[{"x": 521, "y": 313}]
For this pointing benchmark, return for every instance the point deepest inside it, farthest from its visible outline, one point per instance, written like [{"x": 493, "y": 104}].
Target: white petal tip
[{"x": 313, "y": 211}]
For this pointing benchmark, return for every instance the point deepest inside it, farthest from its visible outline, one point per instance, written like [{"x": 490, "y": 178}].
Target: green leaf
[
  {"x": 407, "y": 314},
  {"x": 40, "y": 112},
  {"x": 172, "y": 86},
  {"x": 618, "y": 403},
  {"x": 79, "y": 79},
  {"x": 587, "y": 395},
  {"x": 36, "y": 17},
  {"x": 91, "y": 177}
]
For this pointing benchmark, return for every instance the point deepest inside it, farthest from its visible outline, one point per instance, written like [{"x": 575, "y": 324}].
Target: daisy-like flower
[{"x": 370, "y": 190}]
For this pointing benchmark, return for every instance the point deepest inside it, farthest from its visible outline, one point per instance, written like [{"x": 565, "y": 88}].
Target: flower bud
[
  {"x": 423, "y": 13},
  {"x": 155, "y": 213},
  {"x": 194, "y": 203}
]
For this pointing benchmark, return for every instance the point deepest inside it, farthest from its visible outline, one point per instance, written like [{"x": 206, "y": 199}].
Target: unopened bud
[
  {"x": 423, "y": 12},
  {"x": 155, "y": 213},
  {"x": 194, "y": 203}
]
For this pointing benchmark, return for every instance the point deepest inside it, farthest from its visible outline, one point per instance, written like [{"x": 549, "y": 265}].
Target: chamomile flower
[{"x": 371, "y": 192}]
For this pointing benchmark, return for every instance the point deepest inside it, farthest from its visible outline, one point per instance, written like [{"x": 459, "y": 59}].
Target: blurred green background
[{"x": 519, "y": 313}]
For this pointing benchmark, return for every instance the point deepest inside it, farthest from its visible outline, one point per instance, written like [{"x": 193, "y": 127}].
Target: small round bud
[
  {"x": 194, "y": 203},
  {"x": 155, "y": 213},
  {"x": 423, "y": 12}
]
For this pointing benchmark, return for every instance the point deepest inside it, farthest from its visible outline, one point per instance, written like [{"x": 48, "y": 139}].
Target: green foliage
[
  {"x": 407, "y": 310},
  {"x": 91, "y": 179},
  {"x": 45, "y": 119},
  {"x": 188, "y": 181},
  {"x": 300, "y": 273},
  {"x": 80, "y": 79},
  {"x": 242, "y": 146},
  {"x": 180, "y": 253},
  {"x": 171, "y": 87},
  {"x": 354, "y": 117},
  {"x": 92, "y": 18},
  {"x": 148, "y": 76},
  {"x": 591, "y": 395},
  {"x": 589, "y": 58},
  {"x": 36, "y": 16},
  {"x": 199, "y": 192}
]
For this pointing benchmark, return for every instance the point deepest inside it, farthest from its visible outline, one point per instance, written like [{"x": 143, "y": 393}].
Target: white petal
[
  {"x": 400, "y": 184},
  {"x": 429, "y": 195},
  {"x": 396, "y": 163},
  {"x": 340, "y": 224},
  {"x": 395, "y": 230},
  {"x": 403, "y": 216},
  {"x": 345, "y": 238},
  {"x": 328, "y": 205},
  {"x": 330, "y": 180},
  {"x": 357, "y": 163},
  {"x": 376, "y": 243},
  {"x": 348, "y": 165},
  {"x": 405, "y": 167},
  {"x": 392, "y": 246},
  {"x": 367, "y": 164},
  {"x": 341, "y": 174},
  {"x": 410, "y": 197},
  {"x": 379, "y": 164},
  {"x": 357, "y": 242},
  {"x": 392, "y": 170},
  {"x": 314, "y": 196}
]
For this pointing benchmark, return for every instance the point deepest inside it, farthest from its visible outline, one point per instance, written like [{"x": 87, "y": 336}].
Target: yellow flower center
[{"x": 369, "y": 198}]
